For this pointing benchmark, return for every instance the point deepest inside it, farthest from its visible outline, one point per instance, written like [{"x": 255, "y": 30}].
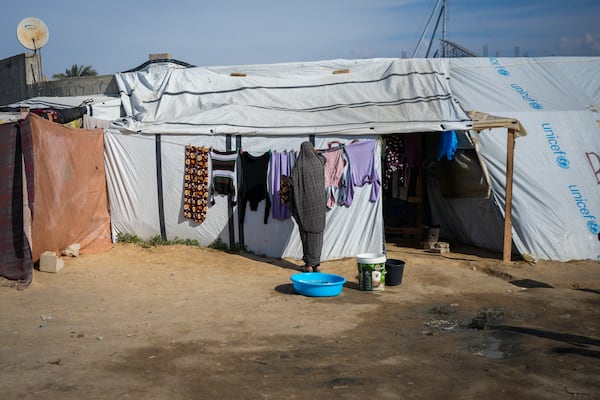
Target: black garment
[
  {"x": 66, "y": 115},
  {"x": 254, "y": 183}
]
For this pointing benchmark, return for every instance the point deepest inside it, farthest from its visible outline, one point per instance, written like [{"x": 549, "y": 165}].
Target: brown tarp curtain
[{"x": 71, "y": 200}]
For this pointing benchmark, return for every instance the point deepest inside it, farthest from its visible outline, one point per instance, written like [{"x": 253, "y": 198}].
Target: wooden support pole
[
  {"x": 510, "y": 156},
  {"x": 24, "y": 111}
]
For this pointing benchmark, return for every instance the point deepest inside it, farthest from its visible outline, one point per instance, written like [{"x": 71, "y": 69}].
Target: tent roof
[
  {"x": 103, "y": 106},
  {"x": 63, "y": 101},
  {"x": 375, "y": 96}
]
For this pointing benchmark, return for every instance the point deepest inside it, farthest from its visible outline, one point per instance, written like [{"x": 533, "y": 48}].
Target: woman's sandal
[
  {"x": 307, "y": 268},
  {"x": 317, "y": 268}
]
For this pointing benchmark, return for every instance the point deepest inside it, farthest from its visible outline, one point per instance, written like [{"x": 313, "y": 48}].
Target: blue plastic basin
[{"x": 318, "y": 284}]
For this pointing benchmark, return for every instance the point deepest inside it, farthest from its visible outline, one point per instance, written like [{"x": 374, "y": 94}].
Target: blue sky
[{"x": 114, "y": 36}]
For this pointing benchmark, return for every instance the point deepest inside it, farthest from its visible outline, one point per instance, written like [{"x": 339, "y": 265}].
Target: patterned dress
[{"x": 196, "y": 183}]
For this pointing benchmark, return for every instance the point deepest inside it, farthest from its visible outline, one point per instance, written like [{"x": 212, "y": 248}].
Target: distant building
[
  {"x": 18, "y": 81},
  {"x": 16, "y": 74}
]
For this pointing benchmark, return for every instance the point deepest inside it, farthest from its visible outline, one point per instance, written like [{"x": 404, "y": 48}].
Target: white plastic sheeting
[
  {"x": 556, "y": 186},
  {"x": 133, "y": 194},
  {"x": 99, "y": 106},
  {"x": 349, "y": 97},
  {"x": 272, "y": 107}
]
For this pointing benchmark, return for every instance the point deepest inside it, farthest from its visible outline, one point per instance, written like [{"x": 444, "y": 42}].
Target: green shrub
[
  {"x": 157, "y": 240},
  {"x": 128, "y": 238},
  {"x": 238, "y": 248},
  {"x": 219, "y": 244}
]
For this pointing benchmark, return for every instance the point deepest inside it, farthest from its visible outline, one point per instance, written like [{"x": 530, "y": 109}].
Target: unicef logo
[
  {"x": 563, "y": 162},
  {"x": 536, "y": 106},
  {"x": 593, "y": 227},
  {"x": 499, "y": 68}
]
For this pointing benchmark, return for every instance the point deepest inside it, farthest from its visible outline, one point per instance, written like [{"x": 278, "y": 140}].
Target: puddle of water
[
  {"x": 491, "y": 347},
  {"x": 494, "y": 349}
]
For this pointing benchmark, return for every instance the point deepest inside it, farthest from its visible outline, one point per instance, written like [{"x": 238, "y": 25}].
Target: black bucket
[{"x": 394, "y": 270}]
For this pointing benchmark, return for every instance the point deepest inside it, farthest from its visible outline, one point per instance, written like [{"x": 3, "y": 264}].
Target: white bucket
[{"x": 371, "y": 271}]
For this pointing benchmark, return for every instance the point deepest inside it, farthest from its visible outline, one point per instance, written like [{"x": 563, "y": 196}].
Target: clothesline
[
  {"x": 347, "y": 167},
  {"x": 152, "y": 138}
]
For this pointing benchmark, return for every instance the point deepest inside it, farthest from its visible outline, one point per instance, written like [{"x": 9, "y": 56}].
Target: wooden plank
[{"x": 510, "y": 155}]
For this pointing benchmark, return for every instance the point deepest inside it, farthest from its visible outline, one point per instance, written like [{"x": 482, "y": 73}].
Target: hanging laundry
[
  {"x": 411, "y": 150},
  {"x": 402, "y": 191},
  {"x": 196, "y": 183},
  {"x": 92, "y": 122},
  {"x": 361, "y": 170},
  {"x": 46, "y": 113},
  {"x": 281, "y": 166},
  {"x": 223, "y": 175},
  {"x": 61, "y": 115},
  {"x": 334, "y": 170},
  {"x": 447, "y": 145},
  {"x": 254, "y": 183},
  {"x": 394, "y": 159},
  {"x": 411, "y": 164}
]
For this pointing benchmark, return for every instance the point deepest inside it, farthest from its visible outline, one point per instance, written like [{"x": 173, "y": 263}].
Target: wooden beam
[
  {"x": 510, "y": 157},
  {"x": 23, "y": 111}
]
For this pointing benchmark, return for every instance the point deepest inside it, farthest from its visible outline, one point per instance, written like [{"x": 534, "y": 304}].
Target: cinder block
[
  {"x": 50, "y": 262},
  {"x": 441, "y": 247}
]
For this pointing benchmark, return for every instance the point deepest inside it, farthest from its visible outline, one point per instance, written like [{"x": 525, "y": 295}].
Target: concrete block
[
  {"x": 50, "y": 262},
  {"x": 441, "y": 247}
]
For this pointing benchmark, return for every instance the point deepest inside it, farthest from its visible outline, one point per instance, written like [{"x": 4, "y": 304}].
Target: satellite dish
[{"x": 32, "y": 33}]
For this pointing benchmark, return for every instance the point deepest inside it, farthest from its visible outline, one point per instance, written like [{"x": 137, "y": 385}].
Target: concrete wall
[{"x": 77, "y": 86}]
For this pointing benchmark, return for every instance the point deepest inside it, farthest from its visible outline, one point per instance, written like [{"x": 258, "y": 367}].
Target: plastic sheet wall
[{"x": 71, "y": 201}]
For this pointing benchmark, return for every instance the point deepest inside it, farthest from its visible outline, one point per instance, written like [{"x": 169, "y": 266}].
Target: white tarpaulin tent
[
  {"x": 260, "y": 108},
  {"x": 98, "y": 106},
  {"x": 376, "y": 96},
  {"x": 556, "y": 182},
  {"x": 556, "y": 192}
]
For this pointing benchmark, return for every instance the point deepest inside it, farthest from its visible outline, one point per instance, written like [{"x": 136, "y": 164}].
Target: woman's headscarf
[{"x": 308, "y": 196}]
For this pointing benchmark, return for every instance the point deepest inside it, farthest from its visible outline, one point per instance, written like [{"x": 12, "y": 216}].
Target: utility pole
[
  {"x": 444, "y": 10},
  {"x": 441, "y": 13}
]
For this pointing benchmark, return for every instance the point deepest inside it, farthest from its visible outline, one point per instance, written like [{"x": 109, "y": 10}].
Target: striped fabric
[{"x": 223, "y": 174}]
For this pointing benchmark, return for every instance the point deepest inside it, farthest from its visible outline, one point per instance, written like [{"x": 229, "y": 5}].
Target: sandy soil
[{"x": 187, "y": 323}]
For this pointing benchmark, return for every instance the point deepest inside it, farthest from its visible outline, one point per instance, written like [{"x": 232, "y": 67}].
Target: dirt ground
[{"x": 178, "y": 322}]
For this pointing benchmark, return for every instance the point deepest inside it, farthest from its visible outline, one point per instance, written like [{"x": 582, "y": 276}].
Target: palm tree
[{"x": 76, "y": 70}]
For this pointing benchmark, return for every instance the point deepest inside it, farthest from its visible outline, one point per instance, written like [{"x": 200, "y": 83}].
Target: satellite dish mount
[{"x": 33, "y": 34}]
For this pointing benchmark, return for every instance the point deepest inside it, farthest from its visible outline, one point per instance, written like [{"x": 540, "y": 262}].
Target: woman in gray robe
[{"x": 308, "y": 203}]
